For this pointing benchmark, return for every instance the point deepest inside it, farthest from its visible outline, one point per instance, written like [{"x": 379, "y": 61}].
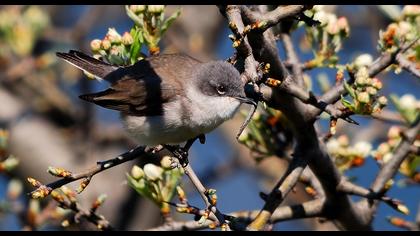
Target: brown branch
[
  {"x": 293, "y": 59},
  {"x": 91, "y": 216},
  {"x": 308, "y": 209},
  {"x": 388, "y": 116},
  {"x": 389, "y": 169},
  {"x": 408, "y": 65},
  {"x": 202, "y": 190},
  {"x": 279, "y": 192},
  {"x": 273, "y": 17},
  {"x": 101, "y": 166},
  {"x": 353, "y": 189},
  {"x": 403, "y": 149},
  {"x": 233, "y": 14}
]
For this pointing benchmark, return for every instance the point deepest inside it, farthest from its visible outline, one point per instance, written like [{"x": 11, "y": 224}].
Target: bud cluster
[
  {"x": 405, "y": 29},
  {"x": 114, "y": 48},
  {"x": 364, "y": 93},
  {"x": 150, "y": 23},
  {"x": 326, "y": 37},
  {"x": 265, "y": 132},
  {"x": 408, "y": 106},
  {"x": 385, "y": 150},
  {"x": 21, "y": 27},
  {"x": 125, "y": 49},
  {"x": 157, "y": 183},
  {"x": 346, "y": 156}
]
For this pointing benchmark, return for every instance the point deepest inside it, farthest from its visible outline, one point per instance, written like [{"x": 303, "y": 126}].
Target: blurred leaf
[
  {"x": 393, "y": 12},
  {"x": 169, "y": 21}
]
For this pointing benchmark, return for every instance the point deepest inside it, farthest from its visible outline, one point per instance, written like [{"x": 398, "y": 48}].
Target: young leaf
[{"x": 169, "y": 21}]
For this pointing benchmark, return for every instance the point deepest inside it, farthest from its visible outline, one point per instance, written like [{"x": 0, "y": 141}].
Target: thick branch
[{"x": 280, "y": 191}]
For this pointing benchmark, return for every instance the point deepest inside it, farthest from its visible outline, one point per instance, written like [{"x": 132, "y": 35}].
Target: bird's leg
[{"x": 181, "y": 153}]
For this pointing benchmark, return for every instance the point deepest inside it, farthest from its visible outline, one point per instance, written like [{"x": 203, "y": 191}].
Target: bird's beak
[{"x": 247, "y": 100}]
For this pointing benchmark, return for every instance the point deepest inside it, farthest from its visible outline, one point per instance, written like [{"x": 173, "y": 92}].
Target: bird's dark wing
[
  {"x": 144, "y": 88},
  {"x": 87, "y": 63}
]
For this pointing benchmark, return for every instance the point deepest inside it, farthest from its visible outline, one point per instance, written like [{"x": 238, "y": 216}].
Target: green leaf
[
  {"x": 135, "y": 49},
  {"x": 133, "y": 16},
  {"x": 407, "y": 115},
  {"x": 169, "y": 21},
  {"x": 349, "y": 89},
  {"x": 347, "y": 104}
]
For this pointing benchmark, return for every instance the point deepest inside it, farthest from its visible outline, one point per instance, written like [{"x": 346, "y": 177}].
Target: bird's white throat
[{"x": 210, "y": 111}]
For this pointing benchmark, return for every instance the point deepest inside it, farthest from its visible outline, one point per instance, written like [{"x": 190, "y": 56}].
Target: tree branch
[
  {"x": 408, "y": 65},
  {"x": 88, "y": 174},
  {"x": 279, "y": 192}
]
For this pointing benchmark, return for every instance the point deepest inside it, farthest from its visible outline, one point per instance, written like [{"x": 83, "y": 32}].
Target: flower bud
[
  {"x": 404, "y": 28},
  {"x": 155, "y": 8},
  {"x": 322, "y": 17},
  {"x": 343, "y": 140},
  {"x": 106, "y": 44},
  {"x": 411, "y": 10},
  {"x": 113, "y": 36},
  {"x": 382, "y": 100},
  {"x": 371, "y": 91},
  {"x": 343, "y": 25},
  {"x": 136, "y": 172},
  {"x": 95, "y": 45},
  {"x": 14, "y": 189},
  {"x": 363, "y": 148},
  {"x": 116, "y": 50},
  {"x": 10, "y": 163},
  {"x": 332, "y": 28},
  {"x": 152, "y": 172},
  {"x": 363, "y": 97},
  {"x": 383, "y": 149},
  {"x": 127, "y": 39},
  {"x": 394, "y": 132},
  {"x": 137, "y": 8},
  {"x": 166, "y": 162},
  {"x": 363, "y": 60},
  {"x": 333, "y": 146},
  {"x": 376, "y": 83},
  {"x": 408, "y": 102},
  {"x": 387, "y": 157},
  {"x": 361, "y": 81}
]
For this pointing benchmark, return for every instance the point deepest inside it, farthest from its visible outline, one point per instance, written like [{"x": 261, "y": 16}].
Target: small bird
[{"x": 166, "y": 99}]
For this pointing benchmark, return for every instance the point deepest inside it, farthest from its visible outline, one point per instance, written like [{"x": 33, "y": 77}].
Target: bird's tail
[{"x": 97, "y": 68}]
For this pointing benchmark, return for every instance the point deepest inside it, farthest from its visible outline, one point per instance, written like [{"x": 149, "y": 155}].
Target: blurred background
[{"x": 49, "y": 126}]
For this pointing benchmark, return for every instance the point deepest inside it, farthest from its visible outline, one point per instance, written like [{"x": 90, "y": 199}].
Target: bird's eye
[{"x": 221, "y": 89}]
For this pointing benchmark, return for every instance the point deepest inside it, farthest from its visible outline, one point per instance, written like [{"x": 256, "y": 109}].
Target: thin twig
[{"x": 101, "y": 166}]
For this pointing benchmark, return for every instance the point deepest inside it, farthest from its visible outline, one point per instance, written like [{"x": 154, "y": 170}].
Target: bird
[{"x": 167, "y": 98}]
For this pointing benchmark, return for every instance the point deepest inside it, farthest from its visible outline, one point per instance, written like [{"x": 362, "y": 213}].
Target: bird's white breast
[{"x": 183, "y": 119}]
